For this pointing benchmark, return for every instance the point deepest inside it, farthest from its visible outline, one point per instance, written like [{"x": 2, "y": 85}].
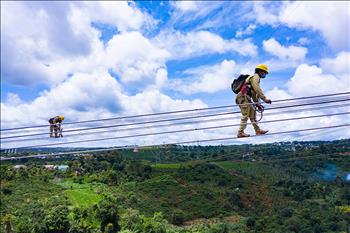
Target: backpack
[{"x": 237, "y": 84}]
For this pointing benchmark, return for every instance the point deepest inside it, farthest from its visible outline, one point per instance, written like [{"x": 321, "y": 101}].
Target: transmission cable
[
  {"x": 172, "y": 119},
  {"x": 178, "y": 111},
  {"x": 172, "y": 143},
  {"x": 173, "y": 131},
  {"x": 168, "y": 125}
]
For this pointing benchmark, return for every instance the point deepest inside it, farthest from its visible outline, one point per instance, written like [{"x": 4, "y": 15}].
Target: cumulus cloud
[
  {"x": 123, "y": 15},
  {"x": 155, "y": 101},
  {"x": 182, "y": 46},
  {"x": 311, "y": 80},
  {"x": 134, "y": 57},
  {"x": 208, "y": 79},
  {"x": 57, "y": 38},
  {"x": 291, "y": 52},
  {"x": 92, "y": 96},
  {"x": 338, "y": 65},
  {"x": 77, "y": 97},
  {"x": 88, "y": 96},
  {"x": 13, "y": 99},
  {"x": 89, "y": 91},
  {"x": 331, "y": 19}
]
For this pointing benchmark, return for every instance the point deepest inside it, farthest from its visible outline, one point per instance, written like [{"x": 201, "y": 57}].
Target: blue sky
[{"x": 93, "y": 59}]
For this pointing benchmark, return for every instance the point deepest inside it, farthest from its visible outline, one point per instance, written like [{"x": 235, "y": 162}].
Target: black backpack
[{"x": 237, "y": 84}]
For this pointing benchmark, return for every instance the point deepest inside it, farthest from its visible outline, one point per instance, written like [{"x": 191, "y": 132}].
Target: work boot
[
  {"x": 261, "y": 132},
  {"x": 242, "y": 135}
]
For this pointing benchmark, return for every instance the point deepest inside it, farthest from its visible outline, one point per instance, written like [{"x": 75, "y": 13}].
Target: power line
[
  {"x": 169, "y": 125},
  {"x": 172, "y": 143},
  {"x": 172, "y": 112},
  {"x": 173, "y": 131},
  {"x": 172, "y": 119}
]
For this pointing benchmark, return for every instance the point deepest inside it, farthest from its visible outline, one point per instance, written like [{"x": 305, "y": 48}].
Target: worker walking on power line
[
  {"x": 250, "y": 92},
  {"x": 55, "y": 126}
]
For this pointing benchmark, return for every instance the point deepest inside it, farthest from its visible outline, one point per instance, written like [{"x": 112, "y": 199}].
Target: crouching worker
[
  {"x": 55, "y": 126},
  {"x": 251, "y": 92}
]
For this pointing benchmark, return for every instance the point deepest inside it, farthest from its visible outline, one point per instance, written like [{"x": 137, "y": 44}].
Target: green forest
[{"x": 281, "y": 187}]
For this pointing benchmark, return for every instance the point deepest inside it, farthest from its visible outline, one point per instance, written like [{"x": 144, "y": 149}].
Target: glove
[{"x": 268, "y": 101}]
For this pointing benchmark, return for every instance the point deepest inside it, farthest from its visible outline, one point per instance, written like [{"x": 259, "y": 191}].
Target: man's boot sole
[{"x": 261, "y": 133}]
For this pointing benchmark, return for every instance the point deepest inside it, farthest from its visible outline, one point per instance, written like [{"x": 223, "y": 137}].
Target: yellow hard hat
[
  {"x": 61, "y": 117},
  {"x": 262, "y": 67}
]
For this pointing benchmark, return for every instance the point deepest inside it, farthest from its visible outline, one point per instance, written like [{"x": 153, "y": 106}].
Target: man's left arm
[{"x": 255, "y": 82}]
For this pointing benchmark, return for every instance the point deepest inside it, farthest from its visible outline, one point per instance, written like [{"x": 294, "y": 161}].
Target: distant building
[
  {"x": 62, "y": 167},
  {"x": 49, "y": 167},
  {"x": 19, "y": 166}
]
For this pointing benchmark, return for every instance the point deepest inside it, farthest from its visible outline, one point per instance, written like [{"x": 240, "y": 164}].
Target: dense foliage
[{"x": 288, "y": 187}]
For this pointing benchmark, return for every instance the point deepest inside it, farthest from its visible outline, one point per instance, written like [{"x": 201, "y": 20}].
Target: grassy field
[
  {"x": 167, "y": 165},
  {"x": 81, "y": 195},
  {"x": 234, "y": 165}
]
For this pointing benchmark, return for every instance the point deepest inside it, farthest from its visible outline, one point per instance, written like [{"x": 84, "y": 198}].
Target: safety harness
[{"x": 246, "y": 90}]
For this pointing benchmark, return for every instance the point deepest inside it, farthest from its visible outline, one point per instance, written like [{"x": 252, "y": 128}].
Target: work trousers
[
  {"x": 54, "y": 128},
  {"x": 247, "y": 111}
]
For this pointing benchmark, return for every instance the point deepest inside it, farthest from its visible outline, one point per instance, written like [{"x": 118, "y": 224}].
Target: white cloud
[
  {"x": 151, "y": 101},
  {"x": 264, "y": 14},
  {"x": 90, "y": 93},
  {"x": 288, "y": 53},
  {"x": 89, "y": 96},
  {"x": 278, "y": 94},
  {"x": 186, "y": 12},
  {"x": 119, "y": 13},
  {"x": 58, "y": 39},
  {"x": 161, "y": 78},
  {"x": 247, "y": 31},
  {"x": 304, "y": 41},
  {"x": 185, "y": 5},
  {"x": 331, "y": 19},
  {"x": 13, "y": 99},
  {"x": 285, "y": 57},
  {"x": 80, "y": 97},
  {"x": 310, "y": 80},
  {"x": 209, "y": 79},
  {"x": 182, "y": 46},
  {"x": 338, "y": 65},
  {"x": 134, "y": 57}
]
